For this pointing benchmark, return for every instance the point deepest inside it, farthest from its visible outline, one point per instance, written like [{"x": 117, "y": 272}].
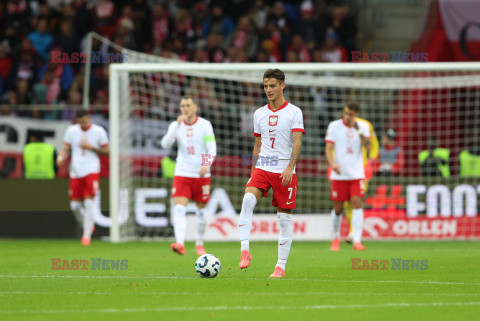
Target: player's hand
[
  {"x": 286, "y": 176},
  {"x": 204, "y": 170},
  {"x": 336, "y": 168},
  {"x": 60, "y": 160},
  {"x": 181, "y": 118},
  {"x": 85, "y": 144},
  {"x": 355, "y": 125}
]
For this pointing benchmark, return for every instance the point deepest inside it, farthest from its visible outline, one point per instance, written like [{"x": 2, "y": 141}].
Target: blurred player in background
[
  {"x": 85, "y": 141},
  {"x": 344, "y": 141},
  {"x": 278, "y": 131},
  {"x": 196, "y": 151},
  {"x": 368, "y": 158}
]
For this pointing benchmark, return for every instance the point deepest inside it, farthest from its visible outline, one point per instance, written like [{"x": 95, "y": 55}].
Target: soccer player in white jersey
[
  {"x": 278, "y": 131},
  {"x": 196, "y": 152},
  {"x": 344, "y": 141},
  {"x": 85, "y": 141}
]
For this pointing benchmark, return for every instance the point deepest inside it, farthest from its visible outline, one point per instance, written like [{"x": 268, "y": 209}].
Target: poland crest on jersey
[
  {"x": 273, "y": 120},
  {"x": 189, "y": 132}
]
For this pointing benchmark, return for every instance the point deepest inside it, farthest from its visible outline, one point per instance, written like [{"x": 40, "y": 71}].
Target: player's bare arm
[
  {"x": 365, "y": 141},
  {"x": 100, "y": 151},
  {"x": 287, "y": 174},
  {"x": 256, "y": 152},
  {"x": 330, "y": 158},
  {"x": 63, "y": 154}
]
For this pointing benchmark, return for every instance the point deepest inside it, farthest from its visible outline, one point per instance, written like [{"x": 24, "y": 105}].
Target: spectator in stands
[
  {"x": 273, "y": 40},
  {"x": 41, "y": 39},
  {"x": 5, "y": 65},
  {"x": 245, "y": 37},
  {"x": 213, "y": 48},
  {"x": 435, "y": 161},
  {"x": 8, "y": 107},
  {"x": 44, "y": 11},
  {"x": 179, "y": 48},
  {"x": 199, "y": 55},
  {"x": 61, "y": 71},
  {"x": 47, "y": 91},
  {"x": 298, "y": 46},
  {"x": 22, "y": 91},
  {"x": 331, "y": 50},
  {"x": 183, "y": 28},
  {"x": 12, "y": 40},
  {"x": 17, "y": 15},
  {"x": 73, "y": 103},
  {"x": 311, "y": 28},
  {"x": 391, "y": 159},
  {"x": 217, "y": 23},
  {"x": 77, "y": 84},
  {"x": 258, "y": 14},
  {"x": 199, "y": 13},
  {"x": 24, "y": 66},
  {"x": 262, "y": 56},
  {"x": 291, "y": 56},
  {"x": 344, "y": 17},
  {"x": 142, "y": 24},
  {"x": 104, "y": 16},
  {"x": 470, "y": 159},
  {"x": 279, "y": 18},
  {"x": 124, "y": 33},
  {"x": 66, "y": 40},
  {"x": 82, "y": 18},
  {"x": 160, "y": 24}
]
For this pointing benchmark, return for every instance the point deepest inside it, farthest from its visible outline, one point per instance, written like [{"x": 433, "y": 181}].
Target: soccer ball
[{"x": 207, "y": 266}]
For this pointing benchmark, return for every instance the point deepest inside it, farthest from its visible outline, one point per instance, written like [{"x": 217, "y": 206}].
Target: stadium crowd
[{"x": 199, "y": 31}]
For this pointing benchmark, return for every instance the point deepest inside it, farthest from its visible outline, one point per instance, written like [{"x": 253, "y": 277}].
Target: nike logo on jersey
[
  {"x": 288, "y": 203},
  {"x": 271, "y": 130},
  {"x": 241, "y": 225}
]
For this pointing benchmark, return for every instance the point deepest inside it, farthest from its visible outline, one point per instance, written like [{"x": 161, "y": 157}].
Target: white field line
[
  {"x": 228, "y": 278},
  {"x": 230, "y": 308},
  {"x": 232, "y": 293}
]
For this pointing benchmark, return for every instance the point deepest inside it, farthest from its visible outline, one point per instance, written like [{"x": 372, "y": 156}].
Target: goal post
[{"x": 418, "y": 101}]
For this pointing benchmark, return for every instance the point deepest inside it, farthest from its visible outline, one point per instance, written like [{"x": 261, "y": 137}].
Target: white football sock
[
  {"x": 336, "y": 222},
  {"x": 88, "y": 223},
  {"x": 78, "y": 210},
  {"x": 285, "y": 238},
  {"x": 200, "y": 223},
  {"x": 179, "y": 222},
  {"x": 357, "y": 223},
  {"x": 245, "y": 221}
]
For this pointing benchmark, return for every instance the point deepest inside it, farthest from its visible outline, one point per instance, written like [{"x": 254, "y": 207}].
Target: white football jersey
[
  {"x": 85, "y": 162},
  {"x": 275, "y": 128},
  {"x": 348, "y": 149},
  {"x": 192, "y": 140}
]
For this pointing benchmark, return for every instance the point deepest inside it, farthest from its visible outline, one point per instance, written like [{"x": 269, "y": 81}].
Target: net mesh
[{"x": 421, "y": 107}]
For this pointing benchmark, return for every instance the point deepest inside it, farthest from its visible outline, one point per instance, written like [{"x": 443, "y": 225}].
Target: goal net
[{"x": 411, "y": 194}]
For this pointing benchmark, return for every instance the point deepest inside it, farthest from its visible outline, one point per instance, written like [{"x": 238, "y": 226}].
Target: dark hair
[
  {"x": 274, "y": 73},
  {"x": 353, "y": 105},
  {"x": 188, "y": 97},
  {"x": 82, "y": 112}
]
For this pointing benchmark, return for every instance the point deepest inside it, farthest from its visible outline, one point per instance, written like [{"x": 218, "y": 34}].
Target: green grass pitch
[{"x": 161, "y": 285}]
